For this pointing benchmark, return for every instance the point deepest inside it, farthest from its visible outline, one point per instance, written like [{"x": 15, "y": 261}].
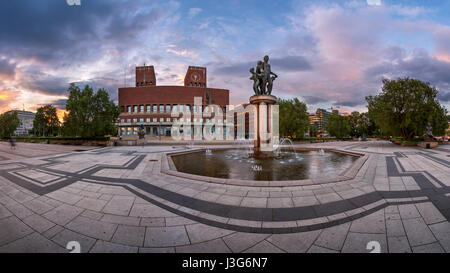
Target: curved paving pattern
[{"x": 117, "y": 199}]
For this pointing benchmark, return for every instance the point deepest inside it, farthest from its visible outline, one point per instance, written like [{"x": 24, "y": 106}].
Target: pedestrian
[{"x": 12, "y": 141}]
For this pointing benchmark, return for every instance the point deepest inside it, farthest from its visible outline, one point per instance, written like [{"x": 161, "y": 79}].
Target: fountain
[{"x": 265, "y": 157}]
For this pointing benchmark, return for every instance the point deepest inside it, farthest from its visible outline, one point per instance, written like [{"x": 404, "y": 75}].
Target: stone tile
[
  {"x": 357, "y": 242},
  {"x": 165, "y": 236},
  {"x": 66, "y": 236},
  {"x": 279, "y": 202},
  {"x": 240, "y": 241},
  {"x": 19, "y": 210},
  {"x": 4, "y": 212},
  {"x": 153, "y": 222},
  {"x": 12, "y": 229},
  {"x": 372, "y": 223},
  {"x": 38, "y": 206},
  {"x": 91, "y": 204},
  {"x": 92, "y": 228},
  {"x": 395, "y": 228},
  {"x": 294, "y": 242},
  {"x": 119, "y": 205},
  {"x": 53, "y": 231},
  {"x": 229, "y": 200},
  {"x": 201, "y": 232},
  {"x": 149, "y": 210},
  {"x": 418, "y": 232},
  {"x": 430, "y": 213},
  {"x": 38, "y": 223},
  {"x": 264, "y": 247},
  {"x": 430, "y": 248},
  {"x": 178, "y": 221},
  {"x": 156, "y": 250},
  {"x": 304, "y": 201},
  {"x": 92, "y": 214},
  {"x": 327, "y": 198},
  {"x": 398, "y": 245},
  {"x": 63, "y": 214},
  {"x": 129, "y": 235},
  {"x": 333, "y": 237},
  {"x": 123, "y": 220},
  {"x": 33, "y": 243},
  {"x": 254, "y": 202},
  {"x": 442, "y": 232},
  {"x": 408, "y": 211},
  {"x": 65, "y": 197},
  {"x": 318, "y": 249},
  {"x": 214, "y": 246},
  {"x": 107, "y": 247}
]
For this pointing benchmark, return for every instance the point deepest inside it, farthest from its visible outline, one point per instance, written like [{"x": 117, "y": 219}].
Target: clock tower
[{"x": 195, "y": 76}]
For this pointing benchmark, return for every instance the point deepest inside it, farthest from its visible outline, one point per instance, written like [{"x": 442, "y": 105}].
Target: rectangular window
[
  {"x": 194, "y": 108},
  {"x": 161, "y": 119},
  {"x": 148, "y": 108},
  {"x": 141, "y": 108},
  {"x": 128, "y": 108},
  {"x": 168, "y": 119},
  {"x": 135, "y": 108},
  {"x": 181, "y": 108},
  {"x": 135, "y": 120},
  {"x": 155, "y": 120},
  {"x": 174, "y": 107},
  {"x": 141, "y": 120},
  {"x": 155, "y": 108},
  {"x": 168, "y": 108},
  {"x": 161, "y": 108},
  {"x": 188, "y": 108},
  {"x": 147, "y": 120}
]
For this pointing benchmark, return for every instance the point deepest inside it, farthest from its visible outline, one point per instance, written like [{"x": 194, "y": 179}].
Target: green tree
[
  {"x": 338, "y": 126},
  {"x": 360, "y": 124},
  {"x": 294, "y": 120},
  {"x": 46, "y": 121},
  {"x": 90, "y": 114},
  {"x": 405, "y": 106},
  {"x": 8, "y": 124},
  {"x": 313, "y": 131}
]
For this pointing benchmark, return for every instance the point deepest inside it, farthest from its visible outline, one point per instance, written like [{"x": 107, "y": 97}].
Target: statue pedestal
[
  {"x": 428, "y": 144},
  {"x": 263, "y": 126}
]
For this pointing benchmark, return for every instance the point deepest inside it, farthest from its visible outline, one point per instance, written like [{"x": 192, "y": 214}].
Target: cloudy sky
[{"x": 327, "y": 53}]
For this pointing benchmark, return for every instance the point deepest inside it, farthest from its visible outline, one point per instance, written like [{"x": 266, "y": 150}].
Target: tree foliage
[
  {"x": 338, "y": 126},
  {"x": 361, "y": 125},
  {"x": 8, "y": 124},
  {"x": 313, "y": 130},
  {"x": 294, "y": 120},
  {"x": 405, "y": 106},
  {"x": 90, "y": 114},
  {"x": 46, "y": 122}
]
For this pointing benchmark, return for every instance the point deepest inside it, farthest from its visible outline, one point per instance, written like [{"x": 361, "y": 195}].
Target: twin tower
[{"x": 195, "y": 76}]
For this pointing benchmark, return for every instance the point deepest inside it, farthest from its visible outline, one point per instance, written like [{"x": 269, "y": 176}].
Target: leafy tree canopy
[
  {"x": 8, "y": 123},
  {"x": 46, "y": 121},
  {"x": 405, "y": 106},
  {"x": 294, "y": 120},
  {"x": 90, "y": 114},
  {"x": 338, "y": 126}
]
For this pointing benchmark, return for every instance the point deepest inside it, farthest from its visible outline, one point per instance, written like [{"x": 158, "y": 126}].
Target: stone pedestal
[
  {"x": 263, "y": 126},
  {"x": 428, "y": 144}
]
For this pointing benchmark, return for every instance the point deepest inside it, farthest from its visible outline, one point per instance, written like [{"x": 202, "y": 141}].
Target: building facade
[
  {"x": 149, "y": 106},
  {"x": 26, "y": 122}
]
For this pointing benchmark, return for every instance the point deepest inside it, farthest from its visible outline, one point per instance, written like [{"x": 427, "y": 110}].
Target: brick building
[{"x": 150, "y": 105}]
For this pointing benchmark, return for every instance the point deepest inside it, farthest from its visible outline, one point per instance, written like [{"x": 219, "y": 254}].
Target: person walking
[{"x": 12, "y": 141}]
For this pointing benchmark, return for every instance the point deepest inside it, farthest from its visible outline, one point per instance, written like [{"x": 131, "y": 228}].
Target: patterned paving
[{"x": 118, "y": 200}]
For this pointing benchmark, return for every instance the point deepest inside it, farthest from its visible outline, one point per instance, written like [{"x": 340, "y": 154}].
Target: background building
[
  {"x": 26, "y": 122},
  {"x": 150, "y": 105}
]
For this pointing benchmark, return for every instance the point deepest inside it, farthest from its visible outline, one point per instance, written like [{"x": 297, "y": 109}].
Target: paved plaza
[{"x": 118, "y": 199}]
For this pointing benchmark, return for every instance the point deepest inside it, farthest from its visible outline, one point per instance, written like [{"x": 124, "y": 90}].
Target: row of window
[
  {"x": 197, "y": 84},
  {"x": 148, "y": 120},
  {"x": 161, "y": 108}
]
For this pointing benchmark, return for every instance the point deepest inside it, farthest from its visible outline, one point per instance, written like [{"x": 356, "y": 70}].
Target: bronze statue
[
  {"x": 429, "y": 132},
  {"x": 263, "y": 77}
]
